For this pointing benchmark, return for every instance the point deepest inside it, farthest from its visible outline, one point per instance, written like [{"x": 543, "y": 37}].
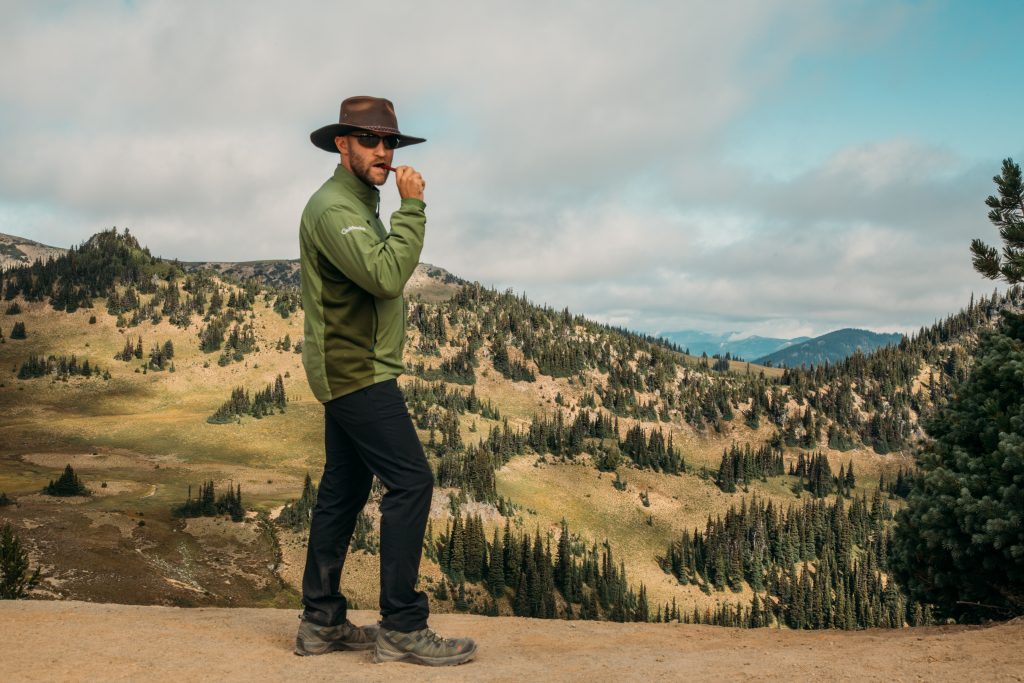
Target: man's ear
[{"x": 342, "y": 144}]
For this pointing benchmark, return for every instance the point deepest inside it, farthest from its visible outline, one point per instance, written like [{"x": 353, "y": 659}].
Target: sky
[{"x": 774, "y": 168}]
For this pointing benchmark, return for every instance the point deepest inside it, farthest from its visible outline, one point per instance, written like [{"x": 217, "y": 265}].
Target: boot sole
[
  {"x": 305, "y": 651},
  {"x": 380, "y": 657}
]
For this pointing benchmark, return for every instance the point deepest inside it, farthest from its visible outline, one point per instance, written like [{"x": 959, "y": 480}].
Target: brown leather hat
[{"x": 374, "y": 114}]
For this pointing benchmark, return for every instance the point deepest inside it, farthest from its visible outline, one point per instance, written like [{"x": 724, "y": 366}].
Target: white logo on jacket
[{"x": 345, "y": 231}]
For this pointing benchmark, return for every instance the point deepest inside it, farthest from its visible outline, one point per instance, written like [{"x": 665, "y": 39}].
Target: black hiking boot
[{"x": 314, "y": 639}]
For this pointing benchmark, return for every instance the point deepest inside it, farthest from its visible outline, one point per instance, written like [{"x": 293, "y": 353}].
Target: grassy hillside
[{"x": 140, "y": 438}]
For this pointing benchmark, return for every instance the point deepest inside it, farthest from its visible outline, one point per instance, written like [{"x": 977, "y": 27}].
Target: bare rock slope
[
  {"x": 77, "y": 641},
  {"x": 18, "y": 251}
]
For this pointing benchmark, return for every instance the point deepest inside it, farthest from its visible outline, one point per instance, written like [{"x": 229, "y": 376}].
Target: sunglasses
[{"x": 370, "y": 141}]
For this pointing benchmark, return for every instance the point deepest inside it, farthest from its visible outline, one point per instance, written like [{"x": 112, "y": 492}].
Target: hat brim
[{"x": 324, "y": 137}]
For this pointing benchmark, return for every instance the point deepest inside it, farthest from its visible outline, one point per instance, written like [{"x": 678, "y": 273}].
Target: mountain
[
  {"x": 18, "y": 251},
  {"x": 743, "y": 347},
  {"x": 830, "y": 348}
]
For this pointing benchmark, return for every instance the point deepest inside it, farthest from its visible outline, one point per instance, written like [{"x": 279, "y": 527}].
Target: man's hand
[{"x": 410, "y": 182}]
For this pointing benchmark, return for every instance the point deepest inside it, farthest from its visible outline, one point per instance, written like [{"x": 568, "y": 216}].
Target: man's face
[{"x": 365, "y": 163}]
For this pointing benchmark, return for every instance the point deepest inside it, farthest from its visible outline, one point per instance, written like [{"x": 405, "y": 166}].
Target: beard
[{"x": 365, "y": 170}]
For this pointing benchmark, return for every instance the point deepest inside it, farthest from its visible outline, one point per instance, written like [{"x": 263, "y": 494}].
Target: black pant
[{"x": 369, "y": 432}]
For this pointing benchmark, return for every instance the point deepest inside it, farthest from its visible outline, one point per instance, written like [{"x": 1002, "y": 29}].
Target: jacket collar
[{"x": 367, "y": 194}]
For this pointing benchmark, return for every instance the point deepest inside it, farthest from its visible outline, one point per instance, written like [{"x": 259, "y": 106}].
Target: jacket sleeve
[{"x": 381, "y": 267}]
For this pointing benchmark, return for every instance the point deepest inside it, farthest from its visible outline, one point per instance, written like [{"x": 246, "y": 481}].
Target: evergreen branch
[
  {"x": 1012, "y": 233},
  {"x": 985, "y": 259},
  {"x": 1013, "y": 267}
]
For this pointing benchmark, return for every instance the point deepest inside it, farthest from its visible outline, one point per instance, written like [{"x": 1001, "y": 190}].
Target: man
[{"x": 353, "y": 274}]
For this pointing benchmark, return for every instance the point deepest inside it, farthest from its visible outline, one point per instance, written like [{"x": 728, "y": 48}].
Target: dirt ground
[{"x": 78, "y": 641}]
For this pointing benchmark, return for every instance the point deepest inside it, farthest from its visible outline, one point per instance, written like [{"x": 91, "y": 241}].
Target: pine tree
[
  {"x": 457, "y": 552},
  {"x": 68, "y": 484},
  {"x": 476, "y": 548},
  {"x": 298, "y": 515},
  {"x": 511, "y": 559},
  {"x": 460, "y": 599},
  {"x": 643, "y": 608},
  {"x": 959, "y": 543},
  {"x": 521, "y": 602},
  {"x": 495, "y": 570},
  {"x": 279, "y": 398},
  {"x": 15, "y": 578},
  {"x": 564, "y": 567}
]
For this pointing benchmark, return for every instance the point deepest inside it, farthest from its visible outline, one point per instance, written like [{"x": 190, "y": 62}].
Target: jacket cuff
[{"x": 412, "y": 201}]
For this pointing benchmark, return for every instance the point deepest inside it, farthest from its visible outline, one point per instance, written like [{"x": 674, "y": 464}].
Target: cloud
[
  {"x": 824, "y": 250},
  {"x": 159, "y": 106},
  {"x": 575, "y": 149}
]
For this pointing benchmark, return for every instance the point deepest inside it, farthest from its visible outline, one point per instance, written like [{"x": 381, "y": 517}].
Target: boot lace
[{"x": 438, "y": 640}]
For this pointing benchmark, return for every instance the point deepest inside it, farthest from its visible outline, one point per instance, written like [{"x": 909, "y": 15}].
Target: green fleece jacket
[{"x": 353, "y": 274}]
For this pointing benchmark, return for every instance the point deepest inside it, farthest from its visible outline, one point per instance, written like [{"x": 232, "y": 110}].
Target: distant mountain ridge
[
  {"x": 428, "y": 282},
  {"x": 271, "y": 272},
  {"x": 745, "y": 347},
  {"x": 832, "y": 348}
]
